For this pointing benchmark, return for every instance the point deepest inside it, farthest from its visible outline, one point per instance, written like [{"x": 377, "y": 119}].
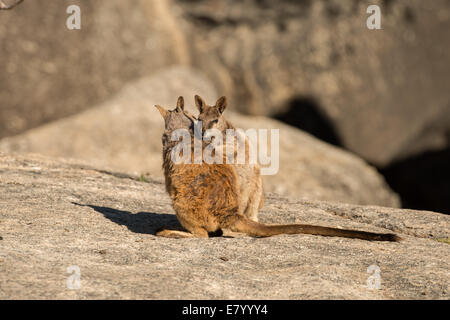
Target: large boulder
[
  {"x": 59, "y": 217},
  {"x": 48, "y": 71},
  {"x": 384, "y": 92},
  {"x": 124, "y": 134}
]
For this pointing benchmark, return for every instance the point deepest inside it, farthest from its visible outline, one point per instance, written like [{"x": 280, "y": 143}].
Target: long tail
[{"x": 257, "y": 229}]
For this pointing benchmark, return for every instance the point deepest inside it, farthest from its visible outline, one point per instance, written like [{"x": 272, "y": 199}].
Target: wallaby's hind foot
[
  {"x": 178, "y": 234},
  {"x": 166, "y": 233}
]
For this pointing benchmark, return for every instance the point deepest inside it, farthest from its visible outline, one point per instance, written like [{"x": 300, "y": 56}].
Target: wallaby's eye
[{"x": 215, "y": 121}]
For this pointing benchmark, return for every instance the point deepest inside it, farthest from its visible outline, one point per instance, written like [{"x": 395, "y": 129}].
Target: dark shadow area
[
  {"x": 422, "y": 181},
  {"x": 305, "y": 114},
  {"x": 142, "y": 222}
]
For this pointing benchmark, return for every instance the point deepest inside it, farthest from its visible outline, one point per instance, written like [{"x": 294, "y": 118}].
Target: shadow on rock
[
  {"x": 140, "y": 222},
  {"x": 422, "y": 181},
  {"x": 306, "y": 114}
]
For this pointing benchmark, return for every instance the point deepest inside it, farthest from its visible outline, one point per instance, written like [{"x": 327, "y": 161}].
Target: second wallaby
[
  {"x": 249, "y": 178},
  {"x": 206, "y": 200}
]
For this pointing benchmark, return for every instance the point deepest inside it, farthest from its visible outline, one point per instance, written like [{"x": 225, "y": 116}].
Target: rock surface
[
  {"x": 60, "y": 213},
  {"x": 124, "y": 134}
]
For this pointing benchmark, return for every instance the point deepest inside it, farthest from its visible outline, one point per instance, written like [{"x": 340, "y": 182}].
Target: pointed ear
[
  {"x": 200, "y": 103},
  {"x": 190, "y": 116},
  {"x": 221, "y": 104},
  {"x": 180, "y": 104},
  {"x": 163, "y": 111}
]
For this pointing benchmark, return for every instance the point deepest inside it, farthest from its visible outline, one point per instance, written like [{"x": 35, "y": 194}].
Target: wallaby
[
  {"x": 205, "y": 196},
  {"x": 248, "y": 175}
]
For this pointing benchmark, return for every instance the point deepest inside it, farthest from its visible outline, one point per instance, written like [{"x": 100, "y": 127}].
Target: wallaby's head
[
  {"x": 177, "y": 118},
  {"x": 211, "y": 116}
]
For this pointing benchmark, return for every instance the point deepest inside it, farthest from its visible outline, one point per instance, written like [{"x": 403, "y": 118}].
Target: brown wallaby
[
  {"x": 206, "y": 200},
  {"x": 248, "y": 175}
]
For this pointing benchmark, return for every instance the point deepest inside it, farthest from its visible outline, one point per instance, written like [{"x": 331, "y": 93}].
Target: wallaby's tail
[{"x": 256, "y": 229}]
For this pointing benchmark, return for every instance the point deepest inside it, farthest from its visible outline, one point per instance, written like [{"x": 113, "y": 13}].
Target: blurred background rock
[{"x": 382, "y": 95}]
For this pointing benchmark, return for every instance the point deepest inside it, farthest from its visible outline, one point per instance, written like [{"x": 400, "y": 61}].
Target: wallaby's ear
[
  {"x": 190, "y": 116},
  {"x": 163, "y": 111},
  {"x": 200, "y": 103},
  {"x": 180, "y": 104},
  {"x": 221, "y": 104}
]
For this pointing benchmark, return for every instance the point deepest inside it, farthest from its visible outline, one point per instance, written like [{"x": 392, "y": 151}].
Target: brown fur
[
  {"x": 206, "y": 197},
  {"x": 248, "y": 175}
]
